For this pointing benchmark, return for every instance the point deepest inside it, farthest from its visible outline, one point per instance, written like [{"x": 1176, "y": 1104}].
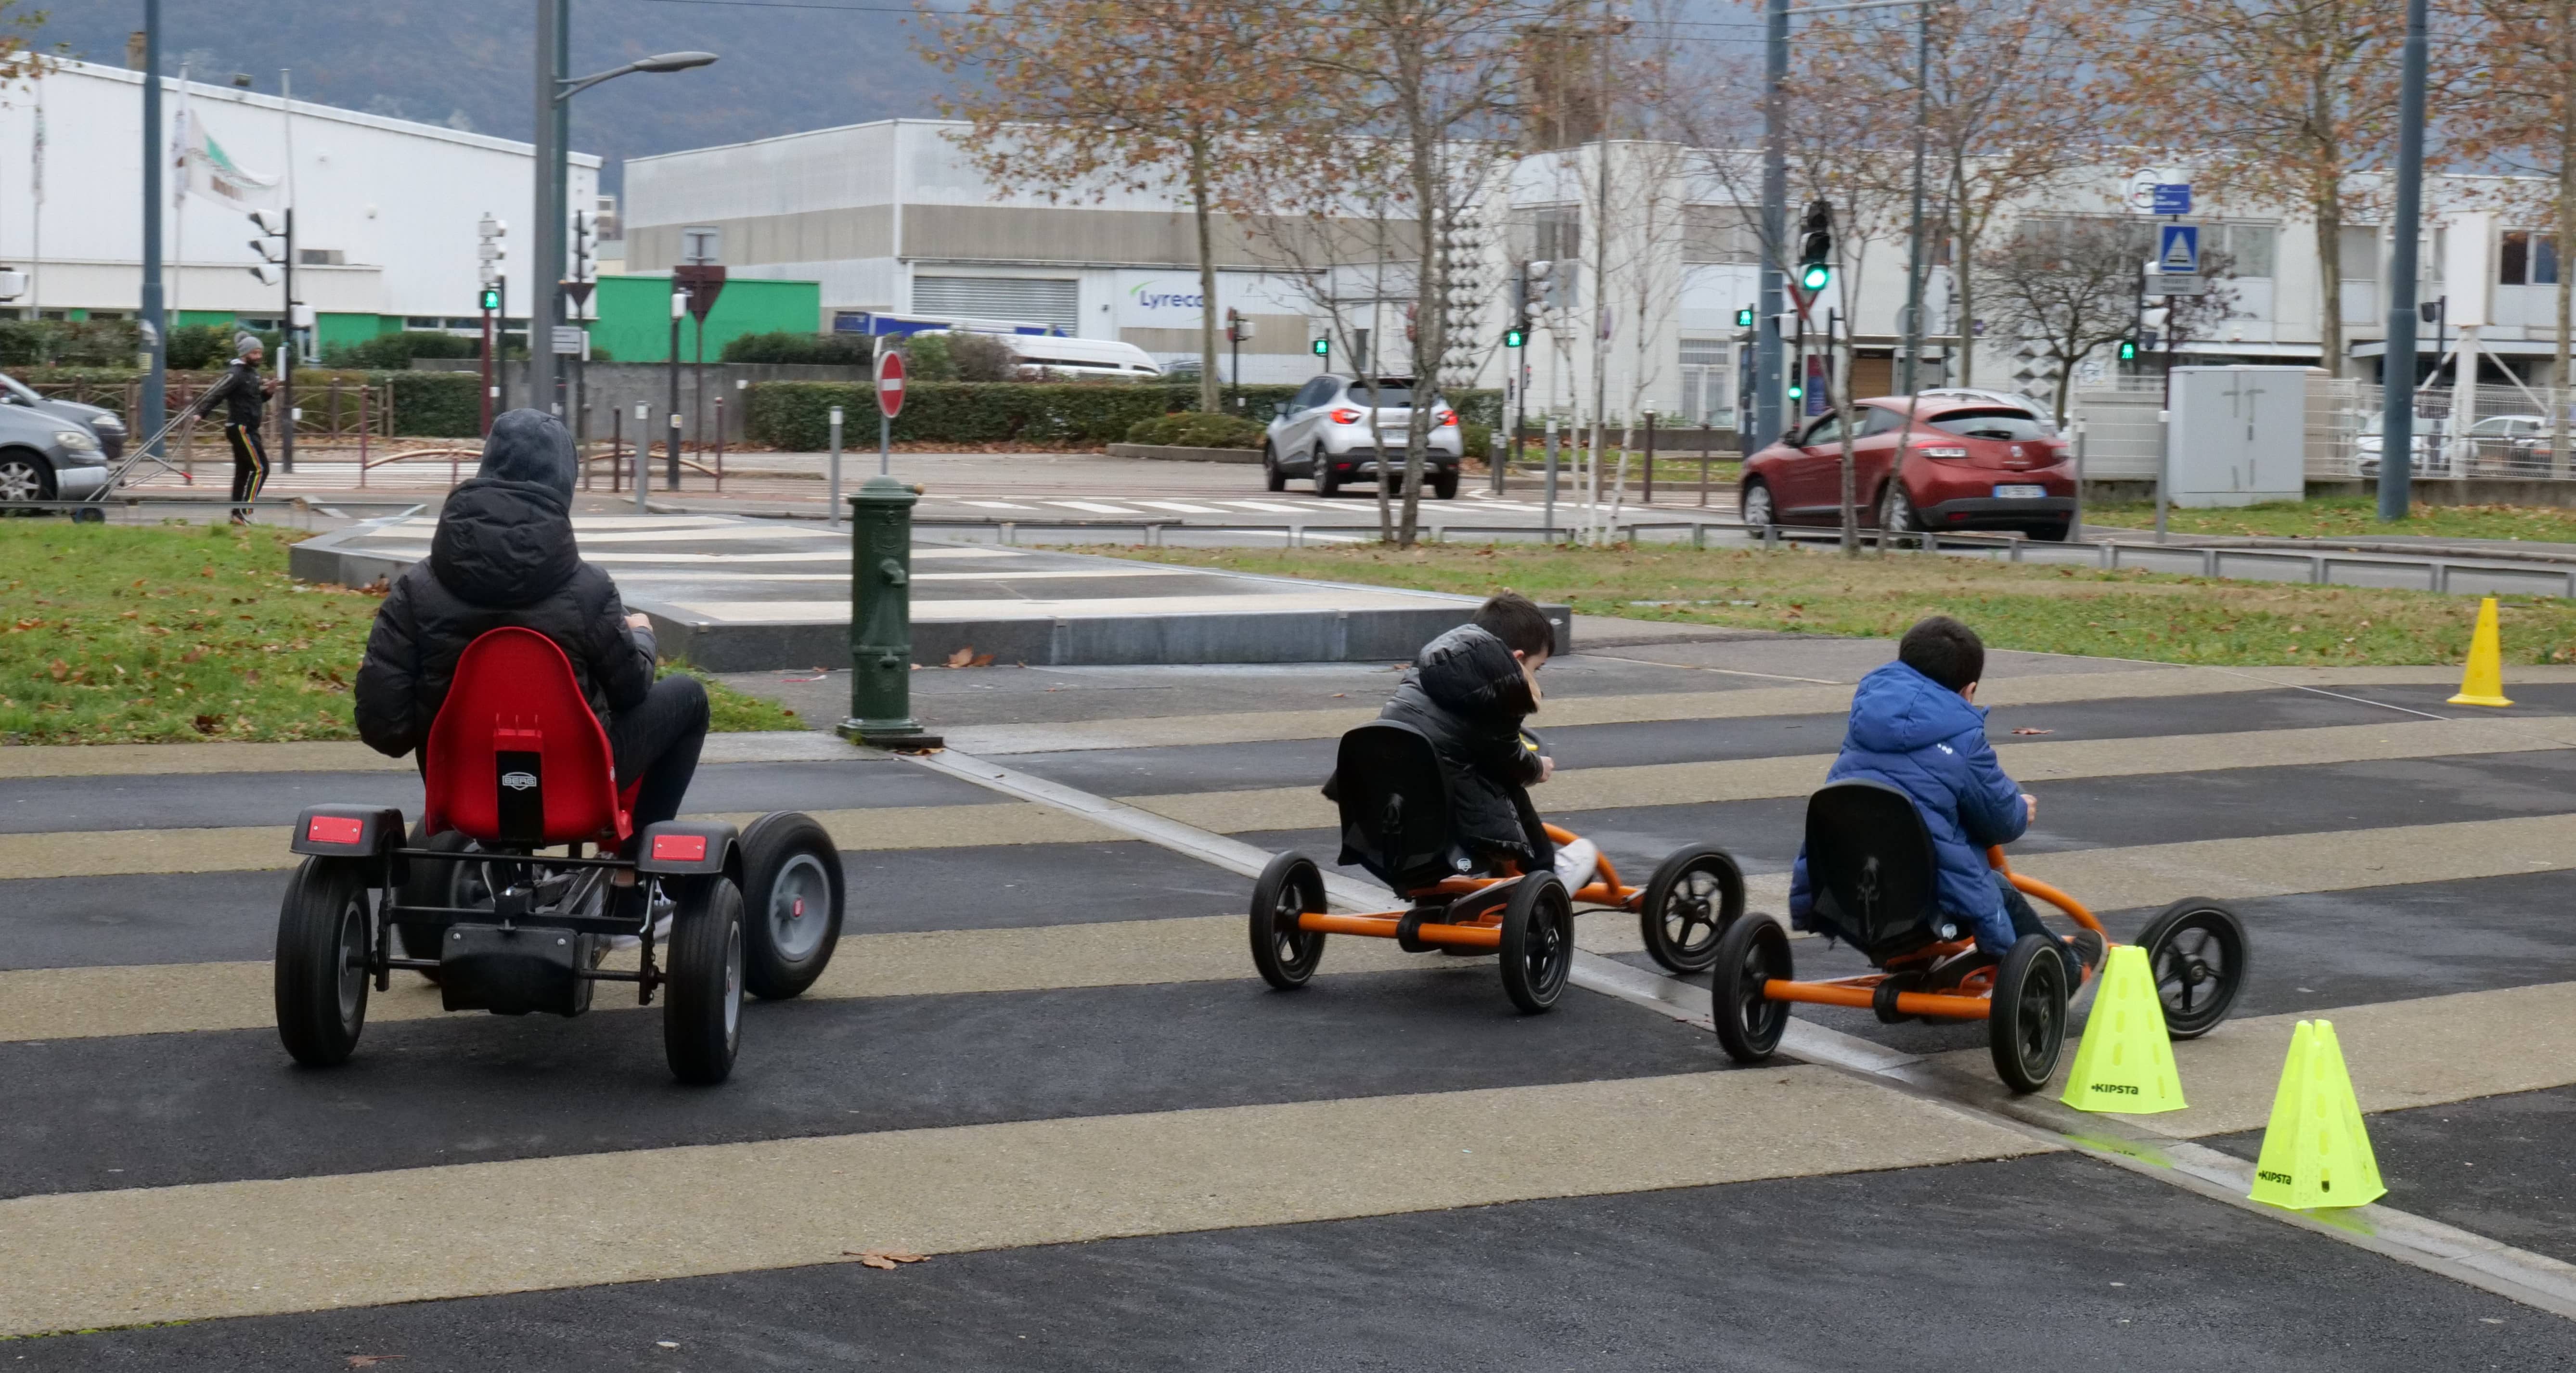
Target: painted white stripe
[
  {"x": 1095, "y": 507},
  {"x": 1183, "y": 508},
  {"x": 1273, "y": 507},
  {"x": 1001, "y": 505}
]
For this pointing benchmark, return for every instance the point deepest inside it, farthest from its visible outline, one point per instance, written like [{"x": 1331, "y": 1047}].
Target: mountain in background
[{"x": 466, "y": 63}]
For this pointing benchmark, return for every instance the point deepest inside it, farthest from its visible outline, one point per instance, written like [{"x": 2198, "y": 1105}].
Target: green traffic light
[
  {"x": 1744, "y": 318},
  {"x": 1797, "y": 392},
  {"x": 1323, "y": 347},
  {"x": 1515, "y": 338},
  {"x": 1815, "y": 276},
  {"x": 2128, "y": 350},
  {"x": 491, "y": 298}
]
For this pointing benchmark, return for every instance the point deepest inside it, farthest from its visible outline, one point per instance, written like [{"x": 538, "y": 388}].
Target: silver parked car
[
  {"x": 45, "y": 457},
  {"x": 1324, "y": 433}
]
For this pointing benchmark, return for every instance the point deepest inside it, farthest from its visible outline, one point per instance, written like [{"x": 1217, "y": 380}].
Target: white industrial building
[{"x": 385, "y": 209}]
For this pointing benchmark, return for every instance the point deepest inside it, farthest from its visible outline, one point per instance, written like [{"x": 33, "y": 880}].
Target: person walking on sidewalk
[{"x": 244, "y": 393}]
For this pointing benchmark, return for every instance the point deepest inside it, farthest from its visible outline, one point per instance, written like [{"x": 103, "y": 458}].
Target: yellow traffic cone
[
  {"x": 2126, "y": 1063},
  {"x": 2316, "y": 1152},
  {"x": 2483, "y": 683}
]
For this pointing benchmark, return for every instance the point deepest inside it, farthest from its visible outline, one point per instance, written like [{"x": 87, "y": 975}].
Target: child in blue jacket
[{"x": 1915, "y": 725}]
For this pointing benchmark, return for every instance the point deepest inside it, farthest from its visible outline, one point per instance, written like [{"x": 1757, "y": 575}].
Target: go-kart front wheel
[
  {"x": 1694, "y": 895},
  {"x": 2026, "y": 1025},
  {"x": 324, "y": 934},
  {"x": 702, "y": 1020},
  {"x": 792, "y": 902},
  {"x": 2197, "y": 953},
  {"x": 1751, "y": 952},
  {"x": 1289, "y": 887},
  {"x": 1538, "y": 942}
]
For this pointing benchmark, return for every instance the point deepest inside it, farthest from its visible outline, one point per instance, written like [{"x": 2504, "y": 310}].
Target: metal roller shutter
[{"x": 1030, "y": 300}]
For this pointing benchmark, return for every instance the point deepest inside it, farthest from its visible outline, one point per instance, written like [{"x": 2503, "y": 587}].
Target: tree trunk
[
  {"x": 2563, "y": 387},
  {"x": 2328, "y": 209},
  {"x": 1962, "y": 282},
  {"x": 1200, "y": 176}
]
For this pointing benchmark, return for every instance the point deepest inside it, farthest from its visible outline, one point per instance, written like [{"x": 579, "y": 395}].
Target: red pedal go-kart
[
  {"x": 1876, "y": 884},
  {"x": 517, "y": 764},
  {"x": 1394, "y": 801}
]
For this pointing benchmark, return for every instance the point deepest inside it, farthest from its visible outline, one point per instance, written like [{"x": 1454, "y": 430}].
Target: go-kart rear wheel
[
  {"x": 1751, "y": 952},
  {"x": 432, "y": 882},
  {"x": 2197, "y": 952},
  {"x": 324, "y": 930},
  {"x": 2026, "y": 1025},
  {"x": 792, "y": 902},
  {"x": 1694, "y": 895},
  {"x": 702, "y": 1020},
  {"x": 1289, "y": 887},
  {"x": 1538, "y": 942}
]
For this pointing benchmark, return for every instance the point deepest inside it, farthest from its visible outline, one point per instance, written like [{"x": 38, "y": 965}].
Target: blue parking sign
[{"x": 2172, "y": 198}]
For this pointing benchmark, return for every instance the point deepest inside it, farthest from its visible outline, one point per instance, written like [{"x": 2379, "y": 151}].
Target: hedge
[
  {"x": 429, "y": 405},
  {"x": 796, "y": 415},
  {"x": 1188, "y": 430}
]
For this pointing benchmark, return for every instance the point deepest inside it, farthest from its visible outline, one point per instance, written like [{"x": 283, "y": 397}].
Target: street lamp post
[{"x": 553, "y": 124}]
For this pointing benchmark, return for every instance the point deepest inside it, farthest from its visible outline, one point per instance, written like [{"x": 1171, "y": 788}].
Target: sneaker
[{"x": 2086, "y": 950}]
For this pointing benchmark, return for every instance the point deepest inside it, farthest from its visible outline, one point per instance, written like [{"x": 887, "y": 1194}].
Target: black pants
[
  {"x": 250, "y": 467},
  {"x": 659, "y": 741}
]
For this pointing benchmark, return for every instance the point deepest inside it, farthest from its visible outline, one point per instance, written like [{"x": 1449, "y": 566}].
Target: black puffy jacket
[
  {"x": 244, "y": 393},
  {"x": 1467, "y": 692},
  {"x": 503, "y": 555}
]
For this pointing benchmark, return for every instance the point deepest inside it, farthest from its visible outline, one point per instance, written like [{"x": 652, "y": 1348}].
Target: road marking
[
  {"x": 1095, "y": 507},
  {"x": 1183, "y": 508},
  {"x": 1275, "y": 507},
  {"x": 1001, "y": 505},
  {"x": 1748, "y": 779},
  {"x": 84, "y": 1260}
]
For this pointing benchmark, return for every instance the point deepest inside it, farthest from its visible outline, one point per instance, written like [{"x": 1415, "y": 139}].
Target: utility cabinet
[{"x": 2239, "y": 435}]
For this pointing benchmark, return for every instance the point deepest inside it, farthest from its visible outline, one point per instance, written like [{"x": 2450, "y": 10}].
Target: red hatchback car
[{"x": 1971, "y": 462}]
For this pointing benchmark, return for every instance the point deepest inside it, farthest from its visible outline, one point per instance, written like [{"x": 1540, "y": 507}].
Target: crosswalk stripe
[
  {"x": 1182, "y": 507},
  {"x": 65, "y": 1003},
  {"x": 1748, "y": 779},
  {"x": 1001, "y": 505},
  {"x": 254, "y": 848},
  {"x": 1095, "y": 507},
  {"x": 84, "y": 1260},
  {"x": 1275, "y": 507}
]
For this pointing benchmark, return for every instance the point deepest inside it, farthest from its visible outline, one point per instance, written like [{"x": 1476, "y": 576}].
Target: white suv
[{"x": 1324, "y": 433}]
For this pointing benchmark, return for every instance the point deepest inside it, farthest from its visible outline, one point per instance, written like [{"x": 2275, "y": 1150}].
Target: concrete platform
[{"x": 736, "y": 595}]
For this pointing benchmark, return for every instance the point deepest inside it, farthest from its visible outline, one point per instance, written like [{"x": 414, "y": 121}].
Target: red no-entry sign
[{"x": 890, "y": 383}]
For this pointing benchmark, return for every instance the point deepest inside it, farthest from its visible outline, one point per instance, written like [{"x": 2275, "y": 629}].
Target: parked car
[
  {"x": 103, "y": 423},
  {"x": 1323, "y": 433},
  {"x": 2512, "y": 444},
  {"x": 2427, "y": 443},
  {"x": 45, "y": 457},
  {"x": 1973, "y": 460}
]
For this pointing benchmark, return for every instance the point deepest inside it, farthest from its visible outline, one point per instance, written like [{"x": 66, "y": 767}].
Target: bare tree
[
  {"x": 1080, "y": 97},
  {"x": 2519, "y": 63},
  {"x": 2068, "y": 286}
]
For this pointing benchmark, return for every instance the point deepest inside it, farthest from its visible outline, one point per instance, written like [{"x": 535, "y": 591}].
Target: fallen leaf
[
  {"x": 982, "y": 660},
  {"x": 963, "y": 657},
  {"x": 2027, "y": 730},
  {"x": 883, "y": 1258},
  {"x": 208, "y": 724},
  {"x": 371, "y": 1360}
]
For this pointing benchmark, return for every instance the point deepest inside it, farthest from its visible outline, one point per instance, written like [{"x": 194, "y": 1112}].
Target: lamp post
[{"x": 554, "y": 92}]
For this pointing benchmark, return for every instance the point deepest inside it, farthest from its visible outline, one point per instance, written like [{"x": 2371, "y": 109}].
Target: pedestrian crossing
[
  {"x": 832, "y": 1142},
  {"x": 1464, "y": 510}
]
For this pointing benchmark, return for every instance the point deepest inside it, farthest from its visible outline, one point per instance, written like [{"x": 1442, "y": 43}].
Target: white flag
[{"x": 202, "y": 168}]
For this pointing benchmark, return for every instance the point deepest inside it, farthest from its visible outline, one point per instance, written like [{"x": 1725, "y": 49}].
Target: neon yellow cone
[
  {"x": 2125, "y": 1064},
  {"x": 2316, "y": 1152},
  {"x": 2483, "y": 683}
]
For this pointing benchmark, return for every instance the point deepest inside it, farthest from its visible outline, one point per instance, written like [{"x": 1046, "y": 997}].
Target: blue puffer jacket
[{"x": 1929, "y": 742}]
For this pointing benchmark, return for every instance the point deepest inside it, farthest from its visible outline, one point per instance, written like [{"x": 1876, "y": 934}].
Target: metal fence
[{"x": 2491, "y": 432}]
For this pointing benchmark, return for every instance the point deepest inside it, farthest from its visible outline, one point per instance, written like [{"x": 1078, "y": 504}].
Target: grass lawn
[
  {"x": 124, "y": 634},
  {"x": 2350, "y": 517},
  {"x": 2122, "y": 614}
]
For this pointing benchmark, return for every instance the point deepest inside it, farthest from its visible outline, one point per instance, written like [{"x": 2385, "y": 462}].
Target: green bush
[
  {"x": 436, "y": 405},
  {"x": 67, "y": 343},
  {"x": 1478, "y": 439},
  {"x": 199, "y": 347},
  {"x": 795, "y": 415},
  {"x": 812, "y": 350},
  {"x": 1197, "y": 429},
  {"x": 394, "y": 352}
]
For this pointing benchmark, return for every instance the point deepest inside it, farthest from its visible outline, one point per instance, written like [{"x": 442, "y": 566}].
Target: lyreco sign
[{"x": 1172, "y": 300}]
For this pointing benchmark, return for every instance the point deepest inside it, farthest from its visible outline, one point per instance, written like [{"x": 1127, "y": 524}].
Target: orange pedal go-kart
[
  {"x": 1876, "y": 884},
  {"x": 1394, "y": 799},
  {"x": 516, "y": 764}
]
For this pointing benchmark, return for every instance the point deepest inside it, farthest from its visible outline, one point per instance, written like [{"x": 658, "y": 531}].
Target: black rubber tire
[
  {"x": 1271, "y": 476},
  {"x": 780, "y": 957},
  {"x": 1538, "y": 942},
  {"x": 2053, "y": 533},
  {"x": 323, "y": 930},
  {"x": 1896, "y": 510},
  {"x": 1700, "y": 888},
  {"x": 1328, "y": 483},
  {"x": 1744, "y": 503},
  {"x": 432, "y": 883},
  {"x": 2198, "y": 955},
  {"x": 1285, "y": 955},
  {"x": 2026, "y": 1025},
  {"x": 1753, "y": 951},
  {"x": 1445, "y": 486},
  {"x": 702, "y": 1015}
]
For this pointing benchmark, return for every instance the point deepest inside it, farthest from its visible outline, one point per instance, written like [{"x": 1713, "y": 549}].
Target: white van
[{"x": 1080, "y": 357}]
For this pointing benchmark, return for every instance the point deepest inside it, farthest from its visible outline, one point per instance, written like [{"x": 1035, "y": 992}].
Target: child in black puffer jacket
[{"x": 1469, "y": 690}]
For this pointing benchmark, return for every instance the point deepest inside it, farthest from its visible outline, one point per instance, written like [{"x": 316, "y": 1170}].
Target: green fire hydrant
[{"x": 881, "y": 618}]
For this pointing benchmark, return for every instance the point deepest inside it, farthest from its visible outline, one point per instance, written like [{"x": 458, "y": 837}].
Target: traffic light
[
  {"x": 1515, "y": 337},
  {"x": 1797, "y": 392},
  {"x": 491, "y": 297},
  {"x": 1816, "y": 246},
  {"x": 271, "y": 245},
  {"x": 1744, "y": 318},
  {"x": 1323, "y": 347},
  {"x": 2128, "y": 350}
]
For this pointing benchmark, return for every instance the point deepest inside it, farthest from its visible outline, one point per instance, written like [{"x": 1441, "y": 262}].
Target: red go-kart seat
[{"x": 515, "y": 756}]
